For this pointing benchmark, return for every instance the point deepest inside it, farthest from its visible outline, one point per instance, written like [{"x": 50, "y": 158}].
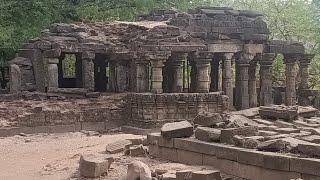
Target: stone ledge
[{"x": 244, "y": 163}]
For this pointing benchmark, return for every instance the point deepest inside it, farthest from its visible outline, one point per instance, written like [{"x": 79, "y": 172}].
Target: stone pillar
[
  {"x": 176, "y": 63},
  {"x": 227, "y": 74},
  {"x": 122, "y": 76},
  {"x": 291, "y": 72},
  {"x": 266, "y": 61},
  {"x": 242, "y": 65},
  {"x": 78, "y": 68},
  {"x": 15, "y": 78},
  {"x": 203, "y": 77},
  {"x": 156, "y": 76},
  {"x": 53, "y": 72},
  {"x": 215, "y": 63},
  {"x": 112, "y": 76},
  {"x": 142, "y": 76},
  {"x": 193, "y": 76},
  {"x": 252, "y": 84},
  {"x": 88, "y": 70},
  {"x": 305, "y": 61}
]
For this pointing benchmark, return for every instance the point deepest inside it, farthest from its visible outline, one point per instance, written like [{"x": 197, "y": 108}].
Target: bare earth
[{"x": 56, "y": 156}]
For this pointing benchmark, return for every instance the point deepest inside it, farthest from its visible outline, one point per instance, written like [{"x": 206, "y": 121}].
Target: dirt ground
[{"x": 56, "y": 156}]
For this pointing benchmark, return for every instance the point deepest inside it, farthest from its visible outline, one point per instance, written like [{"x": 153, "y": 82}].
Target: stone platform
[
  {"x": 240, "y": 162},
  {"x": 153, "y": 110}
]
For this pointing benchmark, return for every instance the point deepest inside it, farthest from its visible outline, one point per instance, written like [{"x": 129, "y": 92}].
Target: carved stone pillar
[
  {"x": 193, "y": 75},
  {"x": 291, "y": 72},
  {"x": 53, "y": 72},
  {"x": 252, "y": 84},
  {"x": 15, "y": 77},
  {"x": 176, "y": 62},
  {"x": 242, "y": 67},
  {"x": 156, "y": 76},
  {"x": 266, "y": 78},
  {"x": 305, "y": 61},
  {"x": 122, "y": 76},
  {"x": 215, "y": 63},
  {"x": 142, "y": 76},
  {"x": 227, "y": 76},
  {"x": 202, "y": 62},
  {"x": 88, "y": 70}
]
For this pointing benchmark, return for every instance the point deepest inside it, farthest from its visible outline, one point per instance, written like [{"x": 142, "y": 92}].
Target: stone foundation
[
  {"x": 243, "y": 163},
  {"x": 153, "y": 110}
]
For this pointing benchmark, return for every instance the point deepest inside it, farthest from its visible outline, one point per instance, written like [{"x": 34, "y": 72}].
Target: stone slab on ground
[
  {"x": 287, "y": 130},
  {"x": 227, "y": 134},
  {"x": 236, "y": 121},
  {"x": 265, "y": 122},
  {"x": 169, "y": 176},
  {"x": 177, "y": 129},
  {"x": 207, "y": 134},
  {"x": 309, "y": 149},
  {"x": 137, "y": 150},
  {"x": 93, "y": 166},
  {"x": 184, "y": 174},
  {"x": 208, "y": 119},
  {"x": 284, "y": 124},
  {"x": 267, "y": 133},
  {"x": 288, "y": 113},
  {"x": 272, "y": 145},
  {"x": 301, "y": 123},
  {"x": 249, "y": 113},
  {"x": 312, "y": 138},
  {"x": 118, "y": 146}
]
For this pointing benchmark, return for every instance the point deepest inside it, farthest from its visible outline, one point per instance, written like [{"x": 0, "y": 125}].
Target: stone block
[
  {"x": 309, "y": 149},
  {"x": 177, "y": 129},
  {"x": 288, "y": 113},
  {"x": 170, "y": 154},
  {"x": 157, "y": 139},
  {"x": 155, "y": 151},
  {"x": 227, "y": 152},
  {"x": 62, "y": 128},
  {"x": 276, "y": 161},
  {"x": 265, "y": 122},
  {"x": 93, "y": 126},
  {"x": 227, "y": 134},
  {"x": 207, "y": 134},
  {"x": 206, "y": 175},
  {"x": 209, "y": 160},
  {"x": 300, "y": 123},
  {"x": 272, "y": 145},
  {"x": 188, "y": 157},
  {"x": 267, "y": 133},
  {"x": 196, "y": 146},
  {"x": 207, "y": 119},
  {"x": 184, "y": 175},
  {"x": 236, "y": 121},
  {"x": 118, "y": 146},
  {"x": 305, "y": 165},
  {"x": 250, "y": 157},
  {"x": 93, "y": 166},
  {"x": 137, "y": 150},
  {"x": 309, "y": 177}
]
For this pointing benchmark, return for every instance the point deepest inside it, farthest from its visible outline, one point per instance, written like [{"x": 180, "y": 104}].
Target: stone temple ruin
[{"x": 175, "y": 66}]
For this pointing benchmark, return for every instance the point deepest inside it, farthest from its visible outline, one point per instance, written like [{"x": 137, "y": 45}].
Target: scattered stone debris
[
  {"x": 208, "y": 119},
  {"x": 137, "y": 150},
  {"x": 93, "y": 166},
  {"x": 177, "y": 129},
  {"x": 228, "y": 134},
  {"x": 288, "y": 113}
]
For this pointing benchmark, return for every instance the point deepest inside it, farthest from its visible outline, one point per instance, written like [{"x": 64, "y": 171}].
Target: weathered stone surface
[
  {"x": 118, "y": 146},
  {"x": 249, "y": 113},
  {"x": 207, "y": 134},
  {"x": 267, "y": 133},
  {"x": 300, "y": 123},
  {"x": 279, "y": 112},
  {"x": 93, "y": 166},
  {"x": 177, "y": 129},
  {"x": 287, "y": 130},
  {"x": 305, "y": 165},
  {"x": 283, "y": 124},
  {"x": 265, "y": 122},
  {"x": 240, "y": 121},
  {"x": 206, "y": 175},
  {"x": 184, "y": 175},
  {"x": 169, "y": 176},
  {"x": 307, "y": 112},
  {"x": 208, "y": 119},
  {"x": 138, "y": 170},
  {"x": 272, "y": 145},
  {"x": 228, "y": 134},
  {"x": 250, "y": 143}
]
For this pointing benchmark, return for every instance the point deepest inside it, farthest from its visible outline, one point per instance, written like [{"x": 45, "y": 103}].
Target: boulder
[
  {"x": 93, "y": 166},
  {"x": 177, "y": 129},
  {"x": 138, "y": 170},
  {"x": 208, "y": 119},
  {"x": 228, "y": 134},
  {"x": 207, "y": 134}
]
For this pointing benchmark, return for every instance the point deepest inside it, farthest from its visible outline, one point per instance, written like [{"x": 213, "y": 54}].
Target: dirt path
[{"x": 48, "y": 157}]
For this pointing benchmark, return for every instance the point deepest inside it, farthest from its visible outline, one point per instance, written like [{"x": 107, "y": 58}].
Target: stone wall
[
  {"x": 243, "y": 163},
  {"x": 153, "y": 110}
]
